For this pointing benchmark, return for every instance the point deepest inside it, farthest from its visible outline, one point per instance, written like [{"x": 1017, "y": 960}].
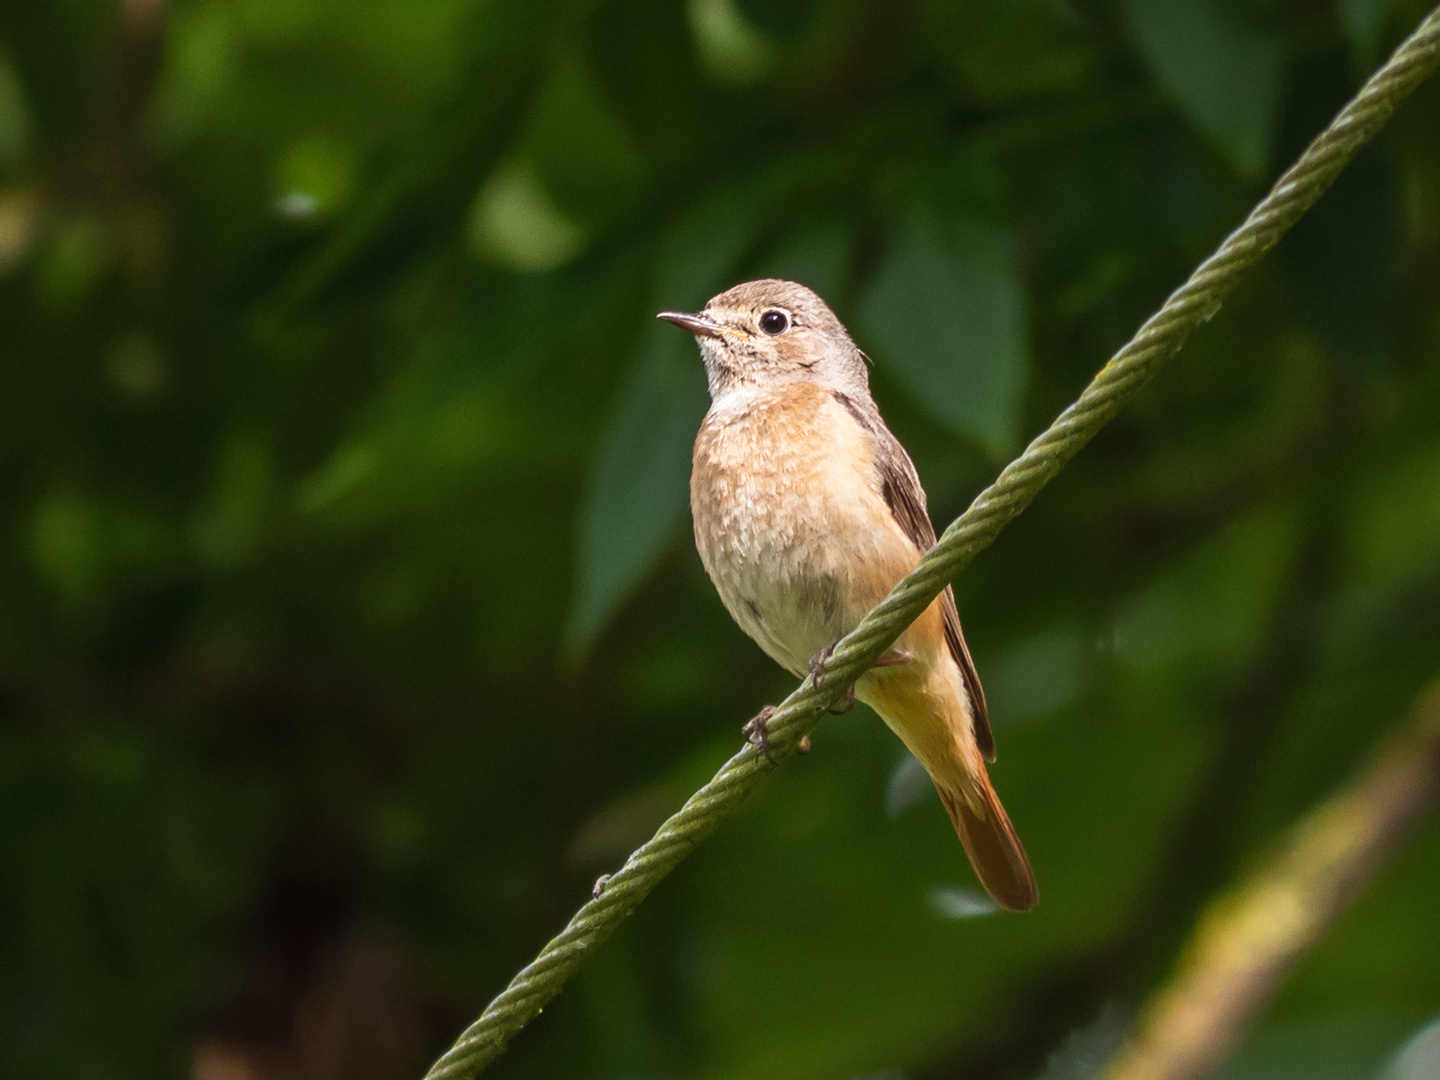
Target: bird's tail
[
  {"x": 990, "y": 840},
  {"x": 927, "y": 709}
]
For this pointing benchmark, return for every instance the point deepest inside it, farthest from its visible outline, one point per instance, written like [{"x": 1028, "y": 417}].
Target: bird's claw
[
  {"x": 817, "y": 668},
  {"x": 756, "y": 734}
]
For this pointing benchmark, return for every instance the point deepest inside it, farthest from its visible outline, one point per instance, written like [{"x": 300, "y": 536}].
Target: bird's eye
[{"x": 774, "y": 322}]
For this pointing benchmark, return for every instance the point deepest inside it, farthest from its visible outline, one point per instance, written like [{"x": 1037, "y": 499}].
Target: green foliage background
[{"x": 349, "y": 626}]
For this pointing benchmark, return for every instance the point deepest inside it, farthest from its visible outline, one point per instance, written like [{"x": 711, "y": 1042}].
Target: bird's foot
[
  {"x": 756, "y": 734},
  {"x": 893, "y": 658},
  {"x": 817, "y": 668}
]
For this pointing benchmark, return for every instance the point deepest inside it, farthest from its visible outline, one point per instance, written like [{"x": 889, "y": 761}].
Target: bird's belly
[{"x": 789, "y": 605}]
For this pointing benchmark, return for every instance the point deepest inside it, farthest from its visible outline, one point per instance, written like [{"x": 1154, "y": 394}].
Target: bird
[{"x": 807, "y": 510}]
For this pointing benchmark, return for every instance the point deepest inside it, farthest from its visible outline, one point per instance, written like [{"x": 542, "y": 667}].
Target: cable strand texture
[{"x": 1157, "y": 340}]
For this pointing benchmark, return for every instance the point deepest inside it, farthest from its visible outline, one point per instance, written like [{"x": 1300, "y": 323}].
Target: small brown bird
[{"x": 807, "y": 511}]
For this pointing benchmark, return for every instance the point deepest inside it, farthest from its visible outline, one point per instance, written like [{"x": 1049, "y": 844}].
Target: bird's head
[{"x": 764, "y": 334}]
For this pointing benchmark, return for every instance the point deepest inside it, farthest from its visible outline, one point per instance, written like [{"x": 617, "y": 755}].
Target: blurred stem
[
  {"x": 1250, "y": 939},
  {"x": 140, "y": 51},
  {"x": 121, "y": 173}
]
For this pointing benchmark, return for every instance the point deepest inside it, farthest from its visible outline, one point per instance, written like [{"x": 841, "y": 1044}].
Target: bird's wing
[{"x": 900, "y": 486}]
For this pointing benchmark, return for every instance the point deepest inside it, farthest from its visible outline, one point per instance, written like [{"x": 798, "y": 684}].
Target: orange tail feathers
[{"x": 995, "y": 850}]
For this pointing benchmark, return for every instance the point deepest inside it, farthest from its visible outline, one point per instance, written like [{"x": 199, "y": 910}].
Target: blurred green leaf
[
  {"x": 1341, "y": 260},
  {"x": 1335, "y": 1047},
  {"x": 14, "y": 120},
  {"x": 731, "y": 49},
  {"x": 200, "y": 62},
  {"x": 1225, "y": 71},
  {"x": 137, "y": 366},
  {"x": 1391, "y": 530},
  {"x": 85, "y": 548},
  {"x": 230, "y": 525},
  {"x": 1010, "y": 50},
  {"x": 703, "y": 247},
  {"x": 782, "y": 20},
  {"x": 515, "y": 223},
  {"x": 579, "y": 146},
  {"x": 817, "y": 256},
  {"x": 1364, "y": 21},
  {"x": 637, "y": 491},
  {"x": 314, "y": 177},
  {"x": 1219, "y": 600},
  {"x": 74, "y": 259},
  {"x": 946, "y": 310},
  {"x": 1041, "y": 673}
]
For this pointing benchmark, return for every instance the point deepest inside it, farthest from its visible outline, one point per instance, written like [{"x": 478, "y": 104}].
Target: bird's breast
[{"x": 788, "y": 514}]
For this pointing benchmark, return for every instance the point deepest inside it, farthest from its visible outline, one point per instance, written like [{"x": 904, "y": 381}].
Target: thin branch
[
  {"x": 1159, "y": 339},
  {"x": 1250, "y": 939}
]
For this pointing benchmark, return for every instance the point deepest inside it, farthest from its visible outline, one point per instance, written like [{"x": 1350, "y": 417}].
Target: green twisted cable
[{"x": 1160, "y": 338}]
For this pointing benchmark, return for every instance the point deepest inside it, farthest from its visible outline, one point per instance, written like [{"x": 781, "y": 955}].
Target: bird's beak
[{"x": 696, "y": 324}]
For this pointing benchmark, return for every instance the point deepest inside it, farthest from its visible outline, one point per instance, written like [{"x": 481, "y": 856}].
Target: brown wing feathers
[{"x": 900, "y": 486}]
